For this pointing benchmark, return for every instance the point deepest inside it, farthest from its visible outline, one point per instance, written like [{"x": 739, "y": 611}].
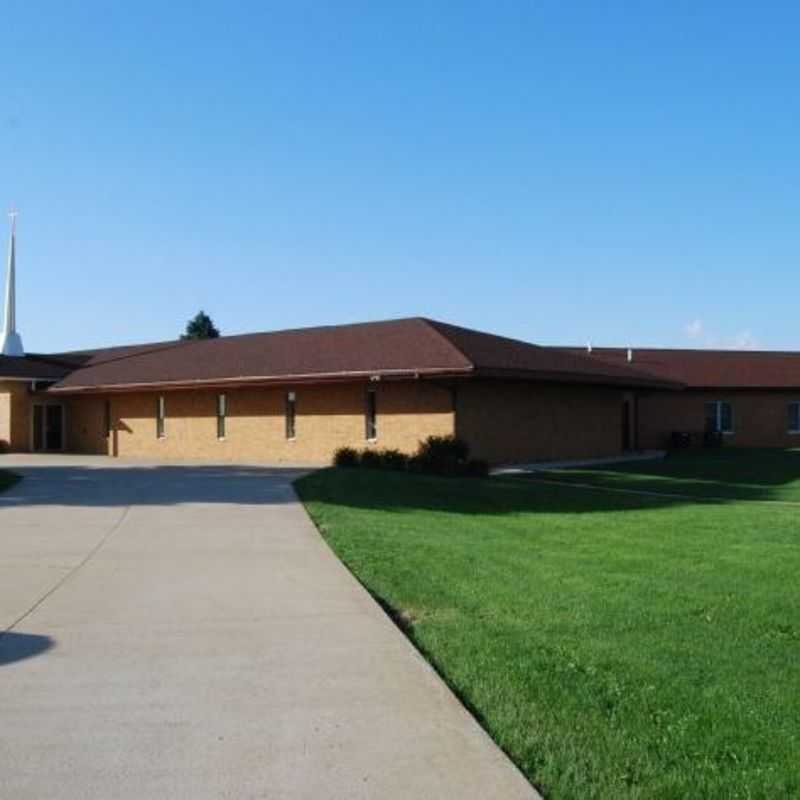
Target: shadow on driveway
[
  {"x": 19, "y": 646},
  {"x": 99, "y": 486}
]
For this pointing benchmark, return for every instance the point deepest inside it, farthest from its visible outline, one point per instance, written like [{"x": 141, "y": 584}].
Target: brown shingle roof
[
  {"x": 709, "y": 368},
  {"x": 404, "y": 347},
  {"x": 33, "y": 367},
  {"x": 498, "y": 356}
]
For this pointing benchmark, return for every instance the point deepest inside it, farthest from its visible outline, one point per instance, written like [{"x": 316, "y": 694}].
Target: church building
[{"x": 296, "y": 396}]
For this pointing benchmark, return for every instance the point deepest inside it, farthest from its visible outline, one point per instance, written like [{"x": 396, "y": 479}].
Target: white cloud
[
  {"x": 744, "y": 340},
  {"x": 694, "y": 330}
]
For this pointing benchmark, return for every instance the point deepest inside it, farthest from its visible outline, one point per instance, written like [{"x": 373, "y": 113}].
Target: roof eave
[
  {"x": 558, "y": 376},
  {"x": 263, "y": 380},
  {"x": 28, "y": 379},
  {"x": 750, "y": 387}
]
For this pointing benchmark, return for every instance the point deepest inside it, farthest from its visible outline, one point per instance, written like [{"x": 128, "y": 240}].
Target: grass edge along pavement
[{"x": 613, "y": 645}]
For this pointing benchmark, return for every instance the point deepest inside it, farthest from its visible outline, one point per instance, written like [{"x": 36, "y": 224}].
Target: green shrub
[
  {"x": 346, "y": 457},
  {"x": 393, "y": 459},
  {"x": 437, "y": 455},
  {"x": 371, "y": 459},
  {"x": 441, "y": 455}
]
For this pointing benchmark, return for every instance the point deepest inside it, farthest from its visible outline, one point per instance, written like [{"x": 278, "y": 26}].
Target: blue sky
[{"x": 625, "y": 173}]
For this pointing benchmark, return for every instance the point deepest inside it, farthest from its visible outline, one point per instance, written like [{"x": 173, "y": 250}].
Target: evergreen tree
[{"x": 200, "y": 326}]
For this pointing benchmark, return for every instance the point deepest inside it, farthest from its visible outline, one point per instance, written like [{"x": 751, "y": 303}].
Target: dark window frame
[
  {"x": 161, "y": 417},
  {"x": 291, "y": 416},
  {"x": 107, "y": 419},
  {"x": 793, "y": 404},
  {"x": 222, "y": 413},
  {"x": 371, "y": 415},
  {"x": 718, "y": 417}
]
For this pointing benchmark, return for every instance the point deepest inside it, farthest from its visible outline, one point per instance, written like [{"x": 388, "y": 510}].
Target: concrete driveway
[{"x": 184, "y": 632}]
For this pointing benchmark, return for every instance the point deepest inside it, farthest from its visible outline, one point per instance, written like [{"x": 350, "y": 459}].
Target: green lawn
[
  {"x": 735, "y": 474},
  {"x": 7, "y": 479},
  {"x": 615, "y": 645}
]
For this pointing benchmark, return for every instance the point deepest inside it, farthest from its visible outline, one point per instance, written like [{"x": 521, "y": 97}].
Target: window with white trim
[
  {"x": 719, "y": 417},
  {"x": 794, "y": 417}
]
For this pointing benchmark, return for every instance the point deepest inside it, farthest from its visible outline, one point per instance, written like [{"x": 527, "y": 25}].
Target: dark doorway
[
  {"x": 626, "y": 425},
  {"x": 48, "y": 426},
  {"x": 38, "y": 427},
  {"x": 54, "y": 427}
]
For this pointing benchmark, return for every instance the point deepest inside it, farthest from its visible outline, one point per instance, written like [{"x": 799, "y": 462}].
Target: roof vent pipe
[
  {"x": 630, "y": 355},
  {"x": 589, "y": 347}
]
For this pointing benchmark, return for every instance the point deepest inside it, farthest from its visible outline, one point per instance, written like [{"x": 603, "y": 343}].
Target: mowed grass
[
  {"x": 7, "y": 479},
  {"x": 614, "y": 645},
  {"x": 727, "y": 473}
]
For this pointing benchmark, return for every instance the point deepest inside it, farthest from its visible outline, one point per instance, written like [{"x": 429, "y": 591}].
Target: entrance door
[
  {"x": 48, "y": 426},
  {"x": 38, "y": 427},
  {"x": 54, "y": 427}
]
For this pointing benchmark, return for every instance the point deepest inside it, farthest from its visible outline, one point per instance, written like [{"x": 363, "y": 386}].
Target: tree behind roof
[{"x": 200, "y": 326}]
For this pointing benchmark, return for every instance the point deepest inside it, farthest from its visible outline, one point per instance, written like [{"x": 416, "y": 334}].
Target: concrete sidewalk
[
  {"x": 544, "y": 466},
  {"x": 184, "y": 632}
]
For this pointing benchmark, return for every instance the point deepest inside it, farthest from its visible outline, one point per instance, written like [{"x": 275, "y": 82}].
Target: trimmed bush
[
  {"x": 394, "y": 460},
  {"x": 442, "y": 455},
  {"x": 437, "y": 455},
  {"x": 384, "y": 459},
  {"x": 371, "y": 459},
  {"x": 346, "y": 457}
]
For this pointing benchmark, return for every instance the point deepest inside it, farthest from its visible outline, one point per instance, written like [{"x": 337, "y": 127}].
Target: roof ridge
[
  {"x": 434, "y": 326},
  {"x": 298, "y": 329},
  {"x": 437, "y": 325},
  {"x": 141, "y": 350}
]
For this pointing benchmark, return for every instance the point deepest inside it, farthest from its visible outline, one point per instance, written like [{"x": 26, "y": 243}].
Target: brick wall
[
  {"x": 15, "y": 420},
  {"x": 327, "y": 417},
  {"x": 760, "y": 419},
  {"x": 85, "y": 425},
  {"x": 508, "y": 422},
  {"x": 504, "y": 422}
]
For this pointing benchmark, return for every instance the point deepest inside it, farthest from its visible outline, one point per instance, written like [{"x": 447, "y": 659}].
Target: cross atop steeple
[{"x": 10, "y": 341}]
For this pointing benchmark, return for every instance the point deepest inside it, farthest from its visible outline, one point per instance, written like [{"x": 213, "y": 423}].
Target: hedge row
[{"x": 437, "y": 455}]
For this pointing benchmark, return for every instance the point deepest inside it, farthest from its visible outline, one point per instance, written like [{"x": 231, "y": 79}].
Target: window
[
  {"x": 161, "y": 413},
  {"x": 794, "y": 417},
  {"x": 371, "y": 416},
  {"x": 719, "y": 417},
  {"x": 222, "y": 410},
  {"x": 107, "y": 418},
  {"x": 291, "y": 413}
]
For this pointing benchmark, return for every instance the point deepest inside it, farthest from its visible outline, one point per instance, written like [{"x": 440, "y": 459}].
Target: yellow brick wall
[
  {"x": 327, "y": 417},
  {"x": 760, "y": 419},
  {"x": 515, "y": 422},
  {"x": 15, "y": 419},
  {"x": 504, "y": 422},
  {"x": 5, "y": 417},
  {"x": 85, "y": 425}
]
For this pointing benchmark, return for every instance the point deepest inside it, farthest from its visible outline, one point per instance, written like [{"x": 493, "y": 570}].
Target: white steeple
[{"x": 10, "y": 342}]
